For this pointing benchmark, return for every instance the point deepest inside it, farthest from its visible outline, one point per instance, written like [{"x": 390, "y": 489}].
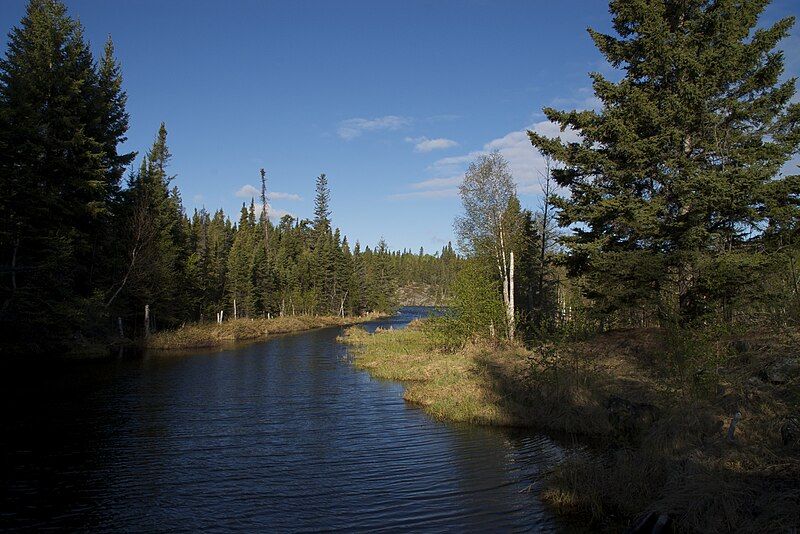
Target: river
[{"x": 281, "y": 435}]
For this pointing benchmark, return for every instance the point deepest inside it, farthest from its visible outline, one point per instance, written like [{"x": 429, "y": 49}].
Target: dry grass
[
  {"x": 213, "y": 334},
  {"x": 675, "y": 459},
  {"x": 480, "y": 384}
]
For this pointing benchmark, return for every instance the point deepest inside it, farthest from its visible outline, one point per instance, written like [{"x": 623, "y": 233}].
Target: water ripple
[{"x": 283, "y": 436}]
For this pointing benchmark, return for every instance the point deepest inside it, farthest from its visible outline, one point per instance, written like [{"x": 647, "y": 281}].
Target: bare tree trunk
[
  {"x": 235, "y": 315},
  {"x": 146, "y": 321},
  {"x": 124, "y": 279},
  {"x": 510, "y": 311},
  {"x": 504, "y": 275}
]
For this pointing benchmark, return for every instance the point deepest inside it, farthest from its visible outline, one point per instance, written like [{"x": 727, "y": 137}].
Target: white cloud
[
  {"x": 274, "y": 213},
  {"x": 248, "y": 191},
  {"x": 352, "y": 128},
  {"x": 277, "y": 195},
  {"x": 527, "y": 165},
  {"x": 452, "y": 163},
  {"x": 424, "y": 144}
]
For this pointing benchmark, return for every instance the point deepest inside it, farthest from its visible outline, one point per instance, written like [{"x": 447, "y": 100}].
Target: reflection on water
[{"x": 282, "y": 435}]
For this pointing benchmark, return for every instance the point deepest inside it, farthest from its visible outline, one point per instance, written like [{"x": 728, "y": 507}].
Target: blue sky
[{"x": 389, "y": 99}]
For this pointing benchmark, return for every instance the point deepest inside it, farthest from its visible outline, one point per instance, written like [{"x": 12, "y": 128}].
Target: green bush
[{"x": 475, "y": 310}]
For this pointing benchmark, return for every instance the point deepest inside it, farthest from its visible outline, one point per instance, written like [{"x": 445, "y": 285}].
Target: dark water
[{"x": 280, "y": 435}]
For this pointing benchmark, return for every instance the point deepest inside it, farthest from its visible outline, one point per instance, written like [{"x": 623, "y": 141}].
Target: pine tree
[
  {"x": 675, "y": 178},
  {"x": 322, "y": 209},
  {"x": 160, "y": 278}
]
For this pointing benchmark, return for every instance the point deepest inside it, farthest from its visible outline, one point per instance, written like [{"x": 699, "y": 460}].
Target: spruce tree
[
  {"x": 677, "y": 176},
  {"x": 60, "y": 123},
  {"x": 322, "y": 209}
]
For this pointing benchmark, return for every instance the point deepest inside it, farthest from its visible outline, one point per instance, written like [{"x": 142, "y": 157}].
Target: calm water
[{"x": 280, "y": 435}]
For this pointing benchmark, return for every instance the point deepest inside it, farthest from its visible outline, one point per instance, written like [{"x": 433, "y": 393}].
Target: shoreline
[{"x": 213, "y": 335}]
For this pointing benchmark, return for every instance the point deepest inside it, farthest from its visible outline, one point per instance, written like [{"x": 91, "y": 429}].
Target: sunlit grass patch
[{"x": 200, "y": 335}]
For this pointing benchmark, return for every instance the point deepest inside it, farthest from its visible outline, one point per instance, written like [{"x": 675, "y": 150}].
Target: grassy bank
[
  {"x": 212, "y": 334},
  {"x": 660, "y": 402}
]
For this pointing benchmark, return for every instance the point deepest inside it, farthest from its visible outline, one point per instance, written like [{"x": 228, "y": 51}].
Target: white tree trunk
[
  {"x": 146, "y": 321},
  {"x": 510, "y": 309},
  {"x": 235, "y": 315}
]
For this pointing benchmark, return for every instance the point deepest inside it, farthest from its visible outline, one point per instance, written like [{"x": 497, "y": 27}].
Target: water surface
[{"x": 279, "y": 435}]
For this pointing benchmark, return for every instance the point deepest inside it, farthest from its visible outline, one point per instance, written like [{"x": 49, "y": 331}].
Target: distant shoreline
[{"x": 209, "y": 335}]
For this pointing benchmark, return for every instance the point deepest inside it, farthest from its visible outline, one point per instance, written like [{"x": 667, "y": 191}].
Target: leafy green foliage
[{"x": 475, "y": 309}]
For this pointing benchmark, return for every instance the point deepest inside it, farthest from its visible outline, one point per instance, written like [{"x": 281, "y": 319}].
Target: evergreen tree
[
  {"x": 676, "y": 177},
  {"x": 60, "y": 123},
  {"x": 240, "y": 266},
  {"x": 322, "y": 209}
]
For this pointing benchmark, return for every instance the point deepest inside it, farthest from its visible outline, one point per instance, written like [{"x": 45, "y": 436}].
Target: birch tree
[{"x": 488, "y": 226}]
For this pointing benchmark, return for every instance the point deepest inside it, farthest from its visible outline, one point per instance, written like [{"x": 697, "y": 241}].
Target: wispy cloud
[
  {"x": 352, "y": 128},
  {"x": 248, "y": 191},
  {"x": 251, "y": 191},
  {"x": 434, "y": 183},
  {"x": 431, "y": 188},
  {"x": 451, "y": 163},
  {"x": 277, "y": 195},
  {"x": 527, "y": 165},
  {"x": 425, "y": 144}
]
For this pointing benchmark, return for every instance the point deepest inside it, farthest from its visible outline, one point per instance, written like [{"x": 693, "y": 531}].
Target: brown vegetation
[{"x": 202, "y": 335}]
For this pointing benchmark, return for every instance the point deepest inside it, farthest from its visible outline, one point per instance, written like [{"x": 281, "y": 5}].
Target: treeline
[
  {"x": 190, "y": 268},
  {"x": 84, "y": 249},
  {"x": 674, "y": 207}
]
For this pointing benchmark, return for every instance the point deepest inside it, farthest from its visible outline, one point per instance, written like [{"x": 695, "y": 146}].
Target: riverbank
[
  {"x": 205, "y": 335},
  {"x": 660, "y": 404}
]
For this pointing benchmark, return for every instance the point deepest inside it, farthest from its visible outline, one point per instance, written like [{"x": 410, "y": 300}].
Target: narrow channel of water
[{"x": 279, "y": 435}]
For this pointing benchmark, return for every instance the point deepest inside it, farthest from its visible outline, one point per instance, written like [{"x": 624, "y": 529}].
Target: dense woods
[{"x": 86, "y": 246}]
